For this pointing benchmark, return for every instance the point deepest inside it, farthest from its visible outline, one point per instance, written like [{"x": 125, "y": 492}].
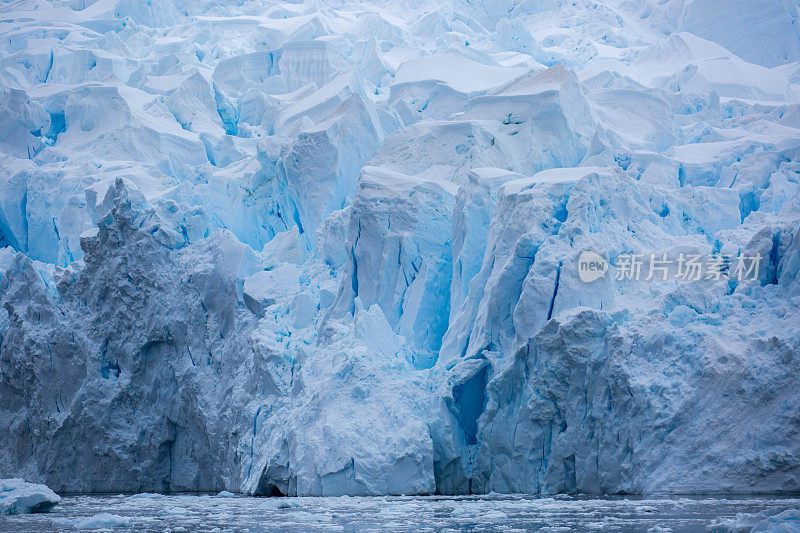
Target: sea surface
[{"x": 500, "y": 513}]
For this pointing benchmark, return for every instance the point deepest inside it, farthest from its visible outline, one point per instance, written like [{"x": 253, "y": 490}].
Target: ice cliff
[{"x": 322, "y": 248}]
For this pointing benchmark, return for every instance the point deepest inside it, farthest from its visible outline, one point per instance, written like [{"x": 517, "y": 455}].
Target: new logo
[{"x": 591, "y": 266}]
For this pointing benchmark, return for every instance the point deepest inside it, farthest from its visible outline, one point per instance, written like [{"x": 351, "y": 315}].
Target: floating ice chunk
[
  {"x": 785, "y": 522},
  {"x": 19, "y": 497},
  {"x": 743, "y": 522},
  {"x": 102, "y": 521},
  {"x": 179, "y": 511},
  {"x": 145, "y": 495}
]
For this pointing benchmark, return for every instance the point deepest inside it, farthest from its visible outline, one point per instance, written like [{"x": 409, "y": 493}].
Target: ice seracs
[{"x": 324, "y": 250}]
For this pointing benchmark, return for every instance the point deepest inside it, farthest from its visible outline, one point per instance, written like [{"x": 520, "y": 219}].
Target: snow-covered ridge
[{"x": 325, "y": 248}]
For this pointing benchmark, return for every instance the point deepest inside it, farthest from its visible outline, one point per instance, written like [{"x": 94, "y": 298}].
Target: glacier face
[{"x": 326, "y": 248}]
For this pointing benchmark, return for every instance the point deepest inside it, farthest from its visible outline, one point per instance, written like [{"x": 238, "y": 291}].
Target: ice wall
[{"x": 327, "y": 248}]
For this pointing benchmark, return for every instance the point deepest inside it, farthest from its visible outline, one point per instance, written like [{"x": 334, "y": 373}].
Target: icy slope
[{"x": 326, "y": 248}]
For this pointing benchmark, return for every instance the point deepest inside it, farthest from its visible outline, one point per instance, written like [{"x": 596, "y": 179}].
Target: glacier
[{"x": 327, "y": 248}]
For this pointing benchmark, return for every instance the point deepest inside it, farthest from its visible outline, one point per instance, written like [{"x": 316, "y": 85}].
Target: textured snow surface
[
  {"x": 330, "y": 248},
  {"x": 19, "y": 497}
]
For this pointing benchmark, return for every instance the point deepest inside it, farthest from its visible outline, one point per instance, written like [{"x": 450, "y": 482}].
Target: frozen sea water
[{"x": 506, "y": 513}]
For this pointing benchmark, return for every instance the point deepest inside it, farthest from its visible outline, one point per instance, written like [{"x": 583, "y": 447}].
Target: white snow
[{"x": 456, "y": 71}]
